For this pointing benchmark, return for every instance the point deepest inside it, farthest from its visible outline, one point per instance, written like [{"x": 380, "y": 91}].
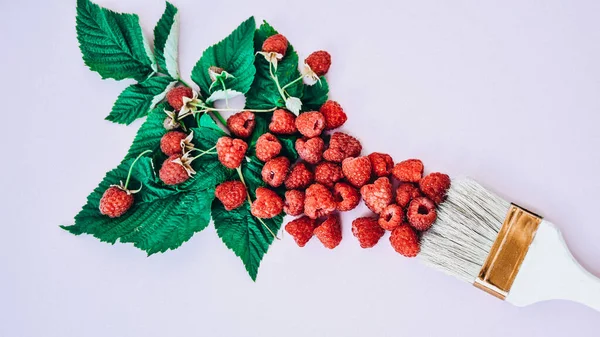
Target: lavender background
[{"x": 506, "y": 92}]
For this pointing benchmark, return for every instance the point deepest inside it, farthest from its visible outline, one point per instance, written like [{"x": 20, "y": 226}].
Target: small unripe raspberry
[
  {"x": 367, "y": 231},
  {"x": 328, "y": 173},
  {"x": 410, "y": 170},
  {"x": 357, "y": 170},
  {"x": 115, "y": 202},
  {"x": 330, "y": 232},
  {"x": 176, "y": 95},
  {"x": 319, "y": 62},
  {"x": 318, "y": 201},
  {"x": 267, "y": 204},
  {"x": 301, "y": 230},
  {"x": 377, "y": 195},
  {"x": 435, "y": 186},
  {"x": 346, "y": 197},
  {"x": 381, "y": 164},
  {"x": 342, "y": 146},
  {"x": 294, "y": 202},
  {"x": 421, "y": 213},
  {"x": 275, "y": 171},
  {"x": 232, "y": 194},
  {"x": 310, "y": 150},
  {"x": 267, "y": 147},
  {"x": 241, "y": 124},
  {"x": 275, "y": 44},
  {"x": 172, "y": 172},
  {"x": 310, "y": 124},
  {"x": 231, "y": 151},
  {"x": 405, "y": 241},
  {"x": 170, "y": 143},
  {"x": 334, "y": 115},
  {"x": 300, "y": 177},
  {"x": 283, "y": 122}
]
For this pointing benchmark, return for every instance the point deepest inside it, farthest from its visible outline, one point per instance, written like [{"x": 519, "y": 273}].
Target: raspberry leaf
[
  {"x": 166, "y": 41},
  {"x": 315, "y": 95}
]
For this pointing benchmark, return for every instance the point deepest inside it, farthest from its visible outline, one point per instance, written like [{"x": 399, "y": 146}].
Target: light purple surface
[{"x": 506, "y": 92}]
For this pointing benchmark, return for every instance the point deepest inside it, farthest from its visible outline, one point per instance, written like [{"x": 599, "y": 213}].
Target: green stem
[
  {"x": 292, "y": 82},
  {"x": 239, "y": 172},
  {"x": 131, "y": 168}
]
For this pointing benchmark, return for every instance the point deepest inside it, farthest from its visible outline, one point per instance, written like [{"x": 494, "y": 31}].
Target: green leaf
[
  {"x": 112, "y": 43},
  {"x": 137, "y": 99},
  {"x": 315, "y": 95},
  {"x": 235, "y": 54},
  {"x": 166, "y": 41}
]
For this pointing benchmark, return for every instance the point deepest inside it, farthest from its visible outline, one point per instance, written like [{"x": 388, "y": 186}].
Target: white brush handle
[{"x": 549, "y": 272}]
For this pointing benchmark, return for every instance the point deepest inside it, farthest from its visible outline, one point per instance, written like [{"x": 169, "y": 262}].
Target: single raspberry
[
  {"x": 231, "y": 151},
  {"x": 283, "y": 122},
  {"x": 377, "y": 195},
  {"x": 319, "y": 62},
  {"x": 232, "y": 194},
  {"x": 275, "y": 170},
  {"x": 421, "y": 213},
  {"x": 241, "y": 124},
  {"x": 176, "y": 95},
  {"x": 381, "y": 163},
  {"x": 301, "y": 230},
  {"x": 405, "y": 193},
  {"x": 357, "y": 170},
  {"x": 391, "y": 217},
  {"x": 294, "y": 202},
  {"x": 410, "y": 170},
  {"x": 275, "y": 44},
  {"x": 342, "y": 146},
  {"x": 115, "y": 202},
  {"x": 405, "y": 241},
  {"x": 435, "y": 186},
  {"x": 267, "y": 204},
  {"x": 346, "y": 197},
  {"x": 300, "y": 177},
  {"x": 318, "y": 201},
  {"x": 310, "y": 124},
  {"x": 310, "y": 150},
  {"x": 328, "y": 173},
  {"x": 170, "y": 143},
  {"x": 367, "y": 231},
  {"x": 334, "y": 115},
  {"x": 267, "y": 147},
  {"x": 172, "y": 172},
  {"x": 330, "y": 231}
]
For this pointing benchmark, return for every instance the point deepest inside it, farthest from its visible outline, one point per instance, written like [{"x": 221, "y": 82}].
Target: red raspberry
[
  {"x": 367, "y": 231},
  {"x": 232, "y": 194},
  {"x": 231, "y": 152},
  {"x": 267, "y": 147},
  {"x": 172, "y": 173},
  {"x": 301, "y": 230},
  {"x": 275, "y": 170},
  {"x": 275, "y": 44},
  {"x": 300, "y": 177},
  {"x": 405, "y": 241},
  {"x": 267, "y": 204},
  {"x": 294, "y": 202},
  {"x": 435, "y": 186},
  {"x": 318, "y": 201},
  {"x": 319, "y": 62},
  {"x": 328, "y": 173},
  {"x": 377, "y": 195},
  {"x": 283, "y": 122},
  {"x": 334, "y": 115},
  {"x": 310, "y": 150},
  {"x": 241, "y": 124},
  {"x": 170, "y": 143},
  {"x": 409, "y": 170},
  {"x": 330, "y": 232},
  {"x": 310, "y": 124},
  {"x": 357, "y": 170},
  {"x": 346, "y": 197},
  {"x": 176, "y": 95},
  {"x": 405, "y": 193},
  {"x": 391, "y": 217},
  {"x": 342, "y": 146},
  {"x": 381, "y": 163},
  {"x": 115, "y": 202},
  {"x": 421, "y": 213}
]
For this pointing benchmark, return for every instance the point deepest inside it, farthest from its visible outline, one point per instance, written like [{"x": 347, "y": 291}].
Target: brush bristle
[{"x": 467, "y": 225}]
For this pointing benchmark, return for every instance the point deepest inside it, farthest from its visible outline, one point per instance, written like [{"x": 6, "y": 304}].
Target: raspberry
[
  {"x": 275, "y": 170},
  {"x": 310, "y": 150},
  {"x": 405, "y": 193},
  {"x": 345, "y": 196},
  {"x": 301, "y": 230},
  {"x": 405, "y": 241},
  {"x": 115, "y": 202},
  {"x": 300, "y": 177},
  {"x": 319, "y": 62},
  {"x": 435, "y": 186},
  {"x": 176, "y": 95},
  {"x": 409, "y": 170},
  {"x": 171, "y": 172},
  {"x": 421, "y": 213},
  {"x": 329, "y": 232},
  {"x": 294, "y": 202},
  {"x": 267, "y": 204},
  {"x": 267, "y": 147},
  {"x": 231, "y": 152},
  {"x": 232, "y": 194},
  {"x": 275, "y": 44},
  {"x": 381, "y": 163},
  {"x": 391, "y": 217},
  {"x": 328, "y": 173},
  {"x": 367, "y": 231},
  {"x": 318, "y": 201},
  {"x": 283, "y": 122},
  {"x": 357, "y": 170},
  {"x": 342, "y": 146},
  {"x": 377, "y": 195},
  {"x": 310, "y": 124},
  {"x": 334, "y": 115},
  {"x": 241, "y": 124}
]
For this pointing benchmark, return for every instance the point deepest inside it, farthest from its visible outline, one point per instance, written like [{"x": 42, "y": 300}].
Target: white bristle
[{"x": 467, "y": 225}]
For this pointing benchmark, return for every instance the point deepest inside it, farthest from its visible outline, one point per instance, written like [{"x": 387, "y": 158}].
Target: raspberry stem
[
  {"x": 239, "y": 172},
  {"x": 131, "y": 168}
]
